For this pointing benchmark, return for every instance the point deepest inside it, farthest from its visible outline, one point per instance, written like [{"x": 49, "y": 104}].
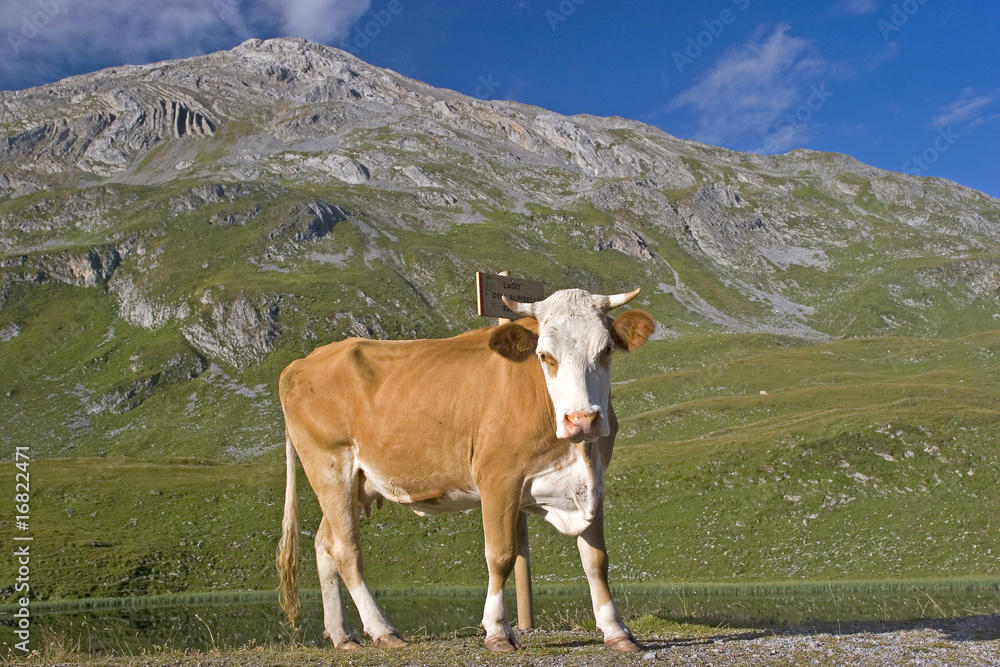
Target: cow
[{"x": 510, "y": 418}]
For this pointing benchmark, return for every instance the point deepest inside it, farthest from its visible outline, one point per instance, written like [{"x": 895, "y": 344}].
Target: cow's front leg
[
  {"x": 594, "y": 555},
  {"x": 499, "y": 525}
]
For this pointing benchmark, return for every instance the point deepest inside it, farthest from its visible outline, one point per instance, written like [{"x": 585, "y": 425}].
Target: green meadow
[
  {"x": 740, "y": 459},
  {"x": 743, "y": 459}
]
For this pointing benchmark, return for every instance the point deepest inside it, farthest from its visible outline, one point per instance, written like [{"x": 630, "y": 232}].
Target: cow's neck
[{"x": 566, "y": 492}]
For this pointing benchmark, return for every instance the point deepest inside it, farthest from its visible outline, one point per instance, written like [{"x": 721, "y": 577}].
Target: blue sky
[{"x": 904, "y": 85}]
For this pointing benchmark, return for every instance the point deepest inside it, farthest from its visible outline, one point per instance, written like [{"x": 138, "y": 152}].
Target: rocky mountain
[{"x": 172, "y": 234}]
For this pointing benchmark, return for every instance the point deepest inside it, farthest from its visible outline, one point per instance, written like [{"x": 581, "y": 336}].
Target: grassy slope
[
  {"x": 73, "y": 348},
  {"x": 401, "y": 283},
  {"x": 867, "y": 458}
]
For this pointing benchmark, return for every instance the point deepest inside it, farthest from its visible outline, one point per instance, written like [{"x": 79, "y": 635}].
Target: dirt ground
[{"x": 964, "y": 641}]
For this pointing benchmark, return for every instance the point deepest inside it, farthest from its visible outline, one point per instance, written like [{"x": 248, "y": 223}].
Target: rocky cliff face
[{"x": 239, "y": 208}]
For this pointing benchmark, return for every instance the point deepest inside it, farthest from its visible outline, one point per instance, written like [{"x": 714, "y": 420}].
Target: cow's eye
[{"x": 546, "y": 358}]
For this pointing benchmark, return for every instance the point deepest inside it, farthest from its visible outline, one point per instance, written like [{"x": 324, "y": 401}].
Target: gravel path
[
  {"x": 963, "y": 641},
  {"x": 968, "y": 641}
]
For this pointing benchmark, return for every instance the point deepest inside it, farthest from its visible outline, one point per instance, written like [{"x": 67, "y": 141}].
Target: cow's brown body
[{"x": 439, "y": 425}]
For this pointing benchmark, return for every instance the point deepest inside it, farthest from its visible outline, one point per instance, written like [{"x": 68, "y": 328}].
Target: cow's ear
[
  {"x": 631, "y": 329},
  {"x": 513, "y": 341}
]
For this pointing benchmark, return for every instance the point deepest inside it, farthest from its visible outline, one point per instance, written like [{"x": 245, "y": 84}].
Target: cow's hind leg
[
  {"x": 342, "y": 513},
  {"x": 335, "y": 626}
]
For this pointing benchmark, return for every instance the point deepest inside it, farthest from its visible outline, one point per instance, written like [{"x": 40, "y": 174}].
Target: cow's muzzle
[{"x": 582, "y": 425}]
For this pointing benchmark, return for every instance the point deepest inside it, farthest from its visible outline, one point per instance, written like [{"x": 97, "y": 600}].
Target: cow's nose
[{"x": 580, "y": 422}]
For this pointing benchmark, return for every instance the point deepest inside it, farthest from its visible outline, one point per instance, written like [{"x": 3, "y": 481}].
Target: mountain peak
[
  {"x": 291, "y": 111},
  {"x": 205, "y": 219}
]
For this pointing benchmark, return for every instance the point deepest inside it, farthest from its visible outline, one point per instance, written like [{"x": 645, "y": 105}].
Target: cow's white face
[
  {"x": 575, "y": 341},
  {"x": 574, "y": 348}
]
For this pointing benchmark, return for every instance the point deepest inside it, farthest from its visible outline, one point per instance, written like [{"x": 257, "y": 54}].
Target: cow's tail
[{"x": 288, "y": 547}]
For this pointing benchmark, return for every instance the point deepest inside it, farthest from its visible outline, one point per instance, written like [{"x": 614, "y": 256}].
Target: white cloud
[
  {"x": 966, "y": 110},
  {"x": 322, "y": 20},
  {"x": 42, "y": 41},
  {"x": 748, "y": 93},
  {"x": 853, "y": 67},
  {"x": 45, "y": 40},
  {"x": 783, "y": 138},
  {"x": 858, "y": 7}
]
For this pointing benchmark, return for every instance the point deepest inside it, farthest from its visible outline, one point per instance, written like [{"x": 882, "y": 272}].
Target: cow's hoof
[
  {"x": 347, "y": 643},
  {"x": 390, "y": 641},
  {"x": 500, "y": 644},
  {"x": 624, "y": 644}
]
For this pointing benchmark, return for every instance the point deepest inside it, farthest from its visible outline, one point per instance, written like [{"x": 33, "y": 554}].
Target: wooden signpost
[{"x": 489, "y": 288}]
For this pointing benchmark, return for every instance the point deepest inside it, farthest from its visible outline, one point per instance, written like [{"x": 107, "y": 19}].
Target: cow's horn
[
  {"x": 522, "y": 309},
  {"x": 616, "y": 300}
]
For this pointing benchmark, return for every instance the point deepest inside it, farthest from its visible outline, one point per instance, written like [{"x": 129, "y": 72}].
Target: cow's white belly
[
  {"x": 451, "y": 500},
  {"x": 567, "y": 493},
  {"x": 456, "y": 500}
]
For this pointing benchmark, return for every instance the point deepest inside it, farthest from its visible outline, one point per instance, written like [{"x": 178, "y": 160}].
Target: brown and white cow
[{"x": 511, "y": 418}]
